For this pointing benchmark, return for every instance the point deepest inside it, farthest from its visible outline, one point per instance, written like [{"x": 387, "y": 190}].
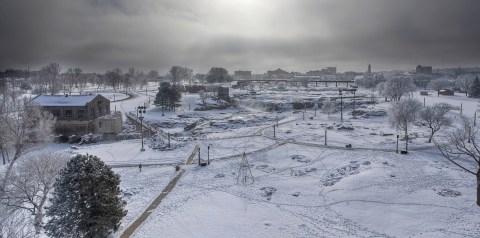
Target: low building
[
  {"x": 223, "y": 93},
  {"x": 80, "y": 114},
  {"x": 424, "y": 69},
  {"x": 446, "y": 92},
  {"x": 242, "y": 74}
]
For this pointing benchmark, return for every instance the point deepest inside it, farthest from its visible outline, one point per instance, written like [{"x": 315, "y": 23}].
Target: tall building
[{"x": 369, "y": 69}]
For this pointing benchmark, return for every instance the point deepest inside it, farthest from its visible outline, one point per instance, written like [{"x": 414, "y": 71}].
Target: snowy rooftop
[{"x": 61, "y": 100}]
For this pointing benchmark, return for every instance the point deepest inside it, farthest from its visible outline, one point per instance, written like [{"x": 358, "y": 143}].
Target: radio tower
[{"x": 245, "y": 176}]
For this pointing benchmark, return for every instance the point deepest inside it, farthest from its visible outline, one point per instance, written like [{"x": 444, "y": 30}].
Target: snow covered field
[
  {"x": 374, "y": 194},
  {"x": 313, "y": 191},
  {"x": 302, "y": 188}
]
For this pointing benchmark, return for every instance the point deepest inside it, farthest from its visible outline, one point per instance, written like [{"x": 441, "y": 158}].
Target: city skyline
[{"x": 251, "y": 35}]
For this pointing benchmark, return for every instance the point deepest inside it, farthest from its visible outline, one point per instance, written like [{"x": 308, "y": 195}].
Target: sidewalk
[{"x": 134, "y": 226}]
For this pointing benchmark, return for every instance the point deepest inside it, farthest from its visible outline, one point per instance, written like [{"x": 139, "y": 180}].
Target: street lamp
[
  {"x": 141, "y": 110},
  {"x": 208, "y": 154},
  {"x": 397, "y": 144},
  {"x": 341, "y": 104},
  {"x": 353, "y": 112}
]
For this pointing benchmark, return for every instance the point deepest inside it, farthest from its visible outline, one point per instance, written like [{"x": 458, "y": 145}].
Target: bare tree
[
  {"x": 251, "y": 86},
  {"x": 465, "y": 82},
  {"x": 153, "y": 75},
  {"x": 14, "y": 223},
  {"x": 328, "y": 107},
  {"x": 114, "y": 78},
  {"x": 23, "y": 131},
  {"x": 439, "y": 84},
  {"x": 462, "y": 148},
  {"x": 402, "y": 113},
  {"x": 179, "y": 73},
  {"x": 396, "y": 87},
  {"x": 218, "y": 75},
  {"x": 189, "y": 100},
  {"x": 31, "y": 181},
  {"x": 53, "y": 70},
  {"x": 203, "y": 96},
  {"x": 434, "y": 117}
]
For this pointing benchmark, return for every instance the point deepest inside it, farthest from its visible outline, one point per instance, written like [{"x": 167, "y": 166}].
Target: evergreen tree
[
  {"x": 86, "y": 201},
  {"x": 167, "y": 95},
  {"x": 475, "y": 89}
]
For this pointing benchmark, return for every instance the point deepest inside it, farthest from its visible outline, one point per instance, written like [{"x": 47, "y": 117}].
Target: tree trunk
[
  {"x": 8, "y": 172},
  {"x": 478, "y": 187},
  {"x": 431, "y": 137},
  {"x": 38, "y": 221}
]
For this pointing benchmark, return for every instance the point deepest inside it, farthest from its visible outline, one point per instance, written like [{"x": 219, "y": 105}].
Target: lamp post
[
  {"x": 475, "y": 119},
  {"x": 141, "y": 110},
  {"x": 406, "y": 143},
  {"x": 353, "y": 112},
  {"x": 208, "y": 154},
  {"x": 397, "y": 144},
  {"x": 341, "y": 104}
]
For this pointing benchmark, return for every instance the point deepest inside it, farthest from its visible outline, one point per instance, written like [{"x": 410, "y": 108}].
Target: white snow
[
  {"x": 366, "y": 191},
  {"x": 62, "y": 100}
]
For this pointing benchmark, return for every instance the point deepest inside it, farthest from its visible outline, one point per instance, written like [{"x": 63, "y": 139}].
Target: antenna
[{"x": 245, "y": 176}]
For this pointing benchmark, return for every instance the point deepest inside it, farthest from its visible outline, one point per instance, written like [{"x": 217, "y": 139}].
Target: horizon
[{"x": 299, "y": 36}]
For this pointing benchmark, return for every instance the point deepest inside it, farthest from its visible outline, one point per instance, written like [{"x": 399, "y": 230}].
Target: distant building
[
  {"x": 80, "y": 114},
  {"x": 330, "y": 70},
  {"x": 324, "y": 71},
  {"x": 278, "y": 73},
  {"x": 446, "y": 92},
  {"x": 424, "y": 69},
  {"x": 369, "y": 71},
  {"x": 242, "y": 74},
  {"x": 314, "y": 73}
]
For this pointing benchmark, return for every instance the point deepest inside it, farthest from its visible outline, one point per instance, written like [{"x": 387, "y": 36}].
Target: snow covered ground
[
  {"x": 312, "y": 191},
  {"x": 374, "y": 194},
  {"x": 301, "y": 188}
]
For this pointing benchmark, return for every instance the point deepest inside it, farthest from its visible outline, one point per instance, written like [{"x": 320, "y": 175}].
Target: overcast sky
[{"x": 257, "y": 35}]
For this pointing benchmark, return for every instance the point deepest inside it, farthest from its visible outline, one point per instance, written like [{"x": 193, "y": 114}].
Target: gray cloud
[{"x": 249, "y": 34}]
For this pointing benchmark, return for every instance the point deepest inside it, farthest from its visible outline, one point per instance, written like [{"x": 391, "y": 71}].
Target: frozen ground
[
  {"x": 310, "y": 191},
  {"x": 300, "y": 190},
  {"x": 374, "y": 194}
]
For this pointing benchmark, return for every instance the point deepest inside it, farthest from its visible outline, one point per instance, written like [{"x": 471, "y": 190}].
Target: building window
[
  {"x": 56, "y": 113},
  {"x": 68, "y": 113},
  {"x": 92, "y": 112},
  {"x": 100, "y": 110},
  {"x": 81, "y": 113},
  {"x": 99, "y": 124}
]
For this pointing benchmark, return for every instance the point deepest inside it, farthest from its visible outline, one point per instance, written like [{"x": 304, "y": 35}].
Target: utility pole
[
  {"x": 273, "y": 130},
  {"x": 341, "y": 105},
  {"x": 168, "y": 136},
  {"x": 325, "y": 136},
  {"x": 475, "y": 119},
  {"x": 353, "y": 112},
  {"x": 397, "y": 144},
  {"x": 198, "y": 156}
]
